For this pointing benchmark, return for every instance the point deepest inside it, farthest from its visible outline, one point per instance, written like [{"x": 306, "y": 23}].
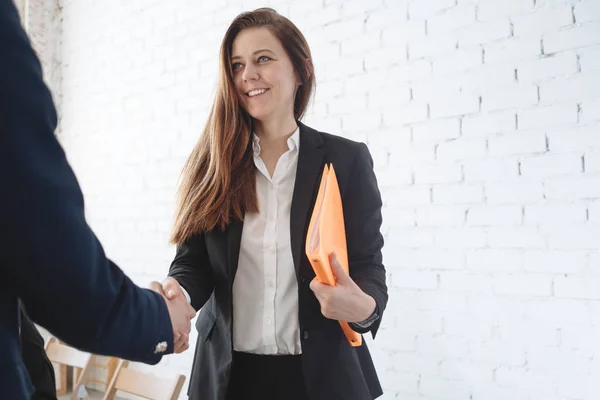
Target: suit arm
[
  {"x": 191, "y": 268},
  {"x": 49, "y": 257},
  {"x": 362, "y": 217}
]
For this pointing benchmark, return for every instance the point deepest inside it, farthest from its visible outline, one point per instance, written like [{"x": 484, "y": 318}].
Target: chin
[{"x": 259, "y": 114}]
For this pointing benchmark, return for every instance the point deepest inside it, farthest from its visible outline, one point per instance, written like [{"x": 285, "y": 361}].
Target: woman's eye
[
  {"x": 263, "y": 59},
  {"x": 236, "y": 66}
]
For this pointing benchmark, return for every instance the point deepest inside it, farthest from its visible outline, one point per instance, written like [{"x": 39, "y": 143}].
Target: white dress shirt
[{"x": 265, "y": 289}]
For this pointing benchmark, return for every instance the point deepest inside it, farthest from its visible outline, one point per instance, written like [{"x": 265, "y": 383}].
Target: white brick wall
[
  {"x": 483, "y": 118},
  {"x": 41, "y": 21}
]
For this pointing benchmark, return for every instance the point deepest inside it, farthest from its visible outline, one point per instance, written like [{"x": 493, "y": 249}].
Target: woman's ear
[
  {"x": 308, "y": 73},
  {"x": 299, "y": 80},
  {"x": 308, "y": 68}
]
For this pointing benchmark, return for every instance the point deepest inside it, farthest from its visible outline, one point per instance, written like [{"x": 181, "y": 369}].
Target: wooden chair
[
  {"x": 143, "y": 385},
  {"x": 67, "y": 356},
  {"x": 103, "y": 369}
]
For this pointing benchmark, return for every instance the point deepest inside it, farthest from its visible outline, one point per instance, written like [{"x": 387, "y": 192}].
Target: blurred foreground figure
[{"x": 50, "y": 260}]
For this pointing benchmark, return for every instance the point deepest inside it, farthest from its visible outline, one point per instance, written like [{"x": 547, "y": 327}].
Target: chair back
[
  {"x": 65, "y": 355},
  {"x": 143, "y": 385}
]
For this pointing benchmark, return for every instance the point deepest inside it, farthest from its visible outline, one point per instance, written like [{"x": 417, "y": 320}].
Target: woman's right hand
[{"x": 172, "y": 289}]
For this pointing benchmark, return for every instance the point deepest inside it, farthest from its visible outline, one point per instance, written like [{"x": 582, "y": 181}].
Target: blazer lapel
[
  {"x": 234, "y": 240},
  {"x": 310, "y": 168}
]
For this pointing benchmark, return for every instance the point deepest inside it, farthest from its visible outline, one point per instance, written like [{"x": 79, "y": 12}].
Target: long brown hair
[{"x": 218, "y": 179}]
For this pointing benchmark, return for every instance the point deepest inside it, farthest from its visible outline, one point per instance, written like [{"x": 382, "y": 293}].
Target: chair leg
[
  {"x": 111, "y": 368},
  {"x": 177, "y": 388},
  {"x": 61, "y": 390},
  {"x": 62, "y": 387},
  {"x": 83, "y": 376},
  {"x": 111, "y": 390}
]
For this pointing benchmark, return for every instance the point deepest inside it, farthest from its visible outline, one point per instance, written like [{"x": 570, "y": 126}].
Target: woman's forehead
[{"x": 251, "y": 40}]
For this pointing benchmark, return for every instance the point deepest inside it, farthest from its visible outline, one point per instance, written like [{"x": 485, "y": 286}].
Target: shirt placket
[{"x": 270, "y": 266}]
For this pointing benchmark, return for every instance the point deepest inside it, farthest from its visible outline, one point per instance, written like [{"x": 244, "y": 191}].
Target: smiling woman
[{"x": 267, "y": 329}]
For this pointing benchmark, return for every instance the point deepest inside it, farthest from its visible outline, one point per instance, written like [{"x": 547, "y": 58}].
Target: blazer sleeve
[
  {"x": 191, "y": 268},
  {"x": 49, "y": 256},
  {"x": 362, "y": 218}
]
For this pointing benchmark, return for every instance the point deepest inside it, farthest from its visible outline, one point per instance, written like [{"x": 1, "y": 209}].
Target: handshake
[{"x": 180, "y": 311}]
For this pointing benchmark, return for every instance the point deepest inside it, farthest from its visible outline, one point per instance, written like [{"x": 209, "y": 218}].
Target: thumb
[
  {"x": 337, "y": 269},
  {"x": 171, "y": 287},
  {"x": 156, "y": 287}
]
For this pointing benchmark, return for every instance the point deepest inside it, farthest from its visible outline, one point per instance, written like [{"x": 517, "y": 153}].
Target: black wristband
[{"x": 363, "y": 326}]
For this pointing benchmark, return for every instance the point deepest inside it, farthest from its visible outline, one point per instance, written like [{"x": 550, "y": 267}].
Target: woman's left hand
[{"x": 345, "y": 301}]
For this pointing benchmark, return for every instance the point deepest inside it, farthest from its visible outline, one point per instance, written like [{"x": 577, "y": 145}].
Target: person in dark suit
[
  {"x": 267, "y": 328},
  {"x": 50, "y": 260}
]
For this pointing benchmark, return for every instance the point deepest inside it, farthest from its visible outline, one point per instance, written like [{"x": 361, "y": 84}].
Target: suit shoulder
[{"x": 341, "y": 143}]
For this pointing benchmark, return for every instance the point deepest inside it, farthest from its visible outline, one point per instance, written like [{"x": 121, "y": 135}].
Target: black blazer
[
  {"x": 50, "y": 260},
  {"x": 205, "y": 265}
]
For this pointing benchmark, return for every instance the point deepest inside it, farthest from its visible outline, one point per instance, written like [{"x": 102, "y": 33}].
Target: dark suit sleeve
[
  {"x": 192, "y": 270},
  {"x": 362, "y": 218},
  {"x": 49, "y": 257}
]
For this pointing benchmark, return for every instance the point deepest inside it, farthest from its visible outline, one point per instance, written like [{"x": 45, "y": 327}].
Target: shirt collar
[{"x": 293, "y": 142}]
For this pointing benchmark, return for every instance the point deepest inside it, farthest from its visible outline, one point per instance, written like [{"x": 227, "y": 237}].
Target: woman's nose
[{"x": 249, "y": 73}]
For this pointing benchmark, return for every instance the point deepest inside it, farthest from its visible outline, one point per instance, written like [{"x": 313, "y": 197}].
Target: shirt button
[
  {"x": 269, "y": 321},
  {"x": 270, "y": 284},
  {"x": 305, "y": 335}
]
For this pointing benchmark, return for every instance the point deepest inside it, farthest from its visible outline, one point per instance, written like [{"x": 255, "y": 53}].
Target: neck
[{"x": 274, "y": 129}]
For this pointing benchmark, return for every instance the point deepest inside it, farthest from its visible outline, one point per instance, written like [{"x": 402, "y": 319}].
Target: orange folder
[{"x": 326, "y": 234}]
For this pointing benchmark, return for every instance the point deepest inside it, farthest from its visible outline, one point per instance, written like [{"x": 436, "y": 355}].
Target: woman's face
[{"x": 263, "y": 74}]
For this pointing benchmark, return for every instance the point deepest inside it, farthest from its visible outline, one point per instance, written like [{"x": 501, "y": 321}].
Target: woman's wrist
[{"x": 365, "y": 307}]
